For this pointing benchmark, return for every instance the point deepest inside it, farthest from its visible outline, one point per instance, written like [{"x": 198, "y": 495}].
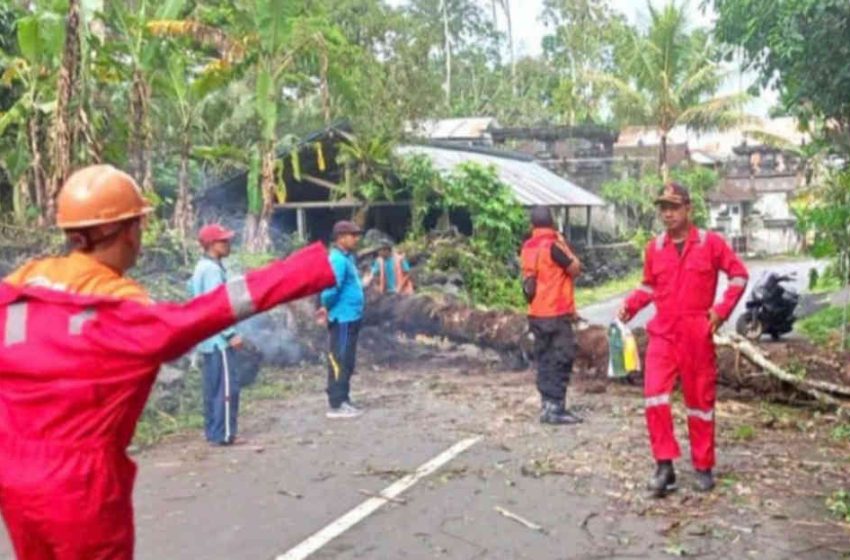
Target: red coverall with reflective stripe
[
  {"x": 75, "y": 372},
  {"x": 683, "y": 287}
]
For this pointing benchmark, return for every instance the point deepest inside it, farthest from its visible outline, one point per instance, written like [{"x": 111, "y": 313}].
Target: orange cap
[{"x": 99, "y": 194}]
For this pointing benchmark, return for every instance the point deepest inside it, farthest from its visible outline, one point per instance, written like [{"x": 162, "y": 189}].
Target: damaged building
[{"x": 314, "y": 185}]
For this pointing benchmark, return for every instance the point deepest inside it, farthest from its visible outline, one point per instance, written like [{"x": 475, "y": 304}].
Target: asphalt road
[
  {"x": 524, "y": 491},
  {"x": 603, "y": 313}
]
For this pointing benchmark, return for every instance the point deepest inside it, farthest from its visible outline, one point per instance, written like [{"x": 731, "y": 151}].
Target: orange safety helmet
[{"x": 97, "y": 195}]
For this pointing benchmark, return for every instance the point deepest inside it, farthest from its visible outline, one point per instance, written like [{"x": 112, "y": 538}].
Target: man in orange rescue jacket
[
  {"x": 549, "y": 269},
  {"x": 80, "y": 347},
  {"x": 680, "y": 273},
  {"x": 393, "y": 271}
]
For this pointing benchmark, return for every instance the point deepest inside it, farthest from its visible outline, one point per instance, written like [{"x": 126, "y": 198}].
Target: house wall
[
  {"x": 773, "y": 205},
  {"x": 726, "y": 217},
  {"x": 768, "y": 226},
  {"x": 774, "y": 240}
]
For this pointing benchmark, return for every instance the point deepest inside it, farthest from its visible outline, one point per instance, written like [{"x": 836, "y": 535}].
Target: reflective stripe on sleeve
[
  {"x": 76, "y": 323},
  {"x": 16, "y": 324},
  {"x": 240, "y": 298}
]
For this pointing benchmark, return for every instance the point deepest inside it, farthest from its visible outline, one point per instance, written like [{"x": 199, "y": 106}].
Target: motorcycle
[{"x": 770, "y": 309}]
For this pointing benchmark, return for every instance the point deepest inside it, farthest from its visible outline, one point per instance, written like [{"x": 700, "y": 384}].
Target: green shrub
[
  {"x": 824, "y": 326},
  {"x": 839, "y": 504}
]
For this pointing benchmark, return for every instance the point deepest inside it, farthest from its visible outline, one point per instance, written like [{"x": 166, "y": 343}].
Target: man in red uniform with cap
[
  {"x": 680, "y": 275},
  {"x": 80, "y": 347}
]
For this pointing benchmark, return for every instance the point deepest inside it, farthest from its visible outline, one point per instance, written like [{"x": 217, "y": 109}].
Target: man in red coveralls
[
  {"x": 680, "y": 277},
  {"x": 80, "y": 346}
]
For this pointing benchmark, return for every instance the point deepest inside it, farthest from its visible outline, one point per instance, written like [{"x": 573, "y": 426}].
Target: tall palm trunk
[
  {"x": 94, "y": 148},
  {"x": 63, "y": 132},
  {"x": 21, "y": 198},
  {"x": 326, "y": 93},
  {"x": 259, "y": 240},
  {"x": 662, "y": 157},
  {"x": 183, "y": 213},
  {"x": 141, "y": 140},
  {"x": 37, "y": 167}
]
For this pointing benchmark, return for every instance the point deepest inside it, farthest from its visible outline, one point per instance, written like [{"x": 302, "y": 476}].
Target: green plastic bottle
[{"x": 616, "y": 360}]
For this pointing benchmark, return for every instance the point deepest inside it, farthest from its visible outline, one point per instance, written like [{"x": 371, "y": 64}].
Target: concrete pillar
[
  {"x": 568, "y": 229},
  {"x": 301, "y": 218},
  {"x": 560, "y": 218},
  {"x": 589, "y": 228}
]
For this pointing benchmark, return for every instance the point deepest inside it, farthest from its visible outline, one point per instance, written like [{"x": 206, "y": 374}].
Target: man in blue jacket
[
  {"x": 342, "y": 308},
  {"x": 220, "y": 382}
]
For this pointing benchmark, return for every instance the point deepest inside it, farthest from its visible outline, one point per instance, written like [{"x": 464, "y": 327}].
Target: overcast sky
[{"x": 528, "y": 32}]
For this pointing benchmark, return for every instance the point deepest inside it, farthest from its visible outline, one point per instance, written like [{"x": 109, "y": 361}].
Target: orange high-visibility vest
[
  {"x": 554, "y": 296},
  {"x": 403, "y": 282}
]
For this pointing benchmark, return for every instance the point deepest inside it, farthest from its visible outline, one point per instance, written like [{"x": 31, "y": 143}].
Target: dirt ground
[{"x": 582, "y": 485}]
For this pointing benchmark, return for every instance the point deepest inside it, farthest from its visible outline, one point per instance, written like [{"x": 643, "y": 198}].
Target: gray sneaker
[
  {"x": 344, "y": 411},
  {"x": 351, "y": 406}
]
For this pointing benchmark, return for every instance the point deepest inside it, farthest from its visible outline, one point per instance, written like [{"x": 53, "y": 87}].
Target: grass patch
[
  {"x": 824, "y": 326},
  {"x": 270, "y": 390},
  {"x": 841, "y": 432},
  {"x": 156, "y": 424},
  {"x": 178, "y": 412},
  {"x": 595, "y": 294},
  {"x": 839, "y": 504},
  {"x": 185, "y": 407},
  {"x": 277, "y": 384},
  {"x": 827, "y": 283},
  {"x": 744, "y": 432}
]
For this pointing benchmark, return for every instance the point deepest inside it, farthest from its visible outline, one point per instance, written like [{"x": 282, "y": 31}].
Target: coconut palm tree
[{"x": 670, "y": 76}]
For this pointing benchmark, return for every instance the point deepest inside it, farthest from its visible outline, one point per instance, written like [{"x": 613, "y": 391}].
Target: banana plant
[
  {"x": 40, "y": 37},
  {"x": 187, "y": 92},
  {"x": 368, "y": 163},
  {"x": 283, "y": 34},
  {"x": 143, "y": 51}
]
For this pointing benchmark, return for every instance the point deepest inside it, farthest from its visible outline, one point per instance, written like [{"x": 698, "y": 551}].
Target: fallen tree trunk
[
  {"x": 506, "y": 332},
  {"x": 503, "y": 331}
]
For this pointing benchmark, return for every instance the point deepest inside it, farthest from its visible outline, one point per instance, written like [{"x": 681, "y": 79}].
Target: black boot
[
  {"x": 553, "y": 412},
  {"x": 704, "y": 481},
  {"x": 664, "y": 480}
]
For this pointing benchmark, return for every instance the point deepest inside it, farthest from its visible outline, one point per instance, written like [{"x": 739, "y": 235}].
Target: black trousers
[
  {"x": 554, "y": 352},
  {"x": 341, "y": 360}
]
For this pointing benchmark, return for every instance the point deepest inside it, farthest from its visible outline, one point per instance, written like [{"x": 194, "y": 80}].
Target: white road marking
[{"x": 314, "y": 543}]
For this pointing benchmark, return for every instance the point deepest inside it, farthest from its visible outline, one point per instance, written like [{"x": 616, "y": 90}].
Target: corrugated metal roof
[{"x": 532, "y": 184}]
